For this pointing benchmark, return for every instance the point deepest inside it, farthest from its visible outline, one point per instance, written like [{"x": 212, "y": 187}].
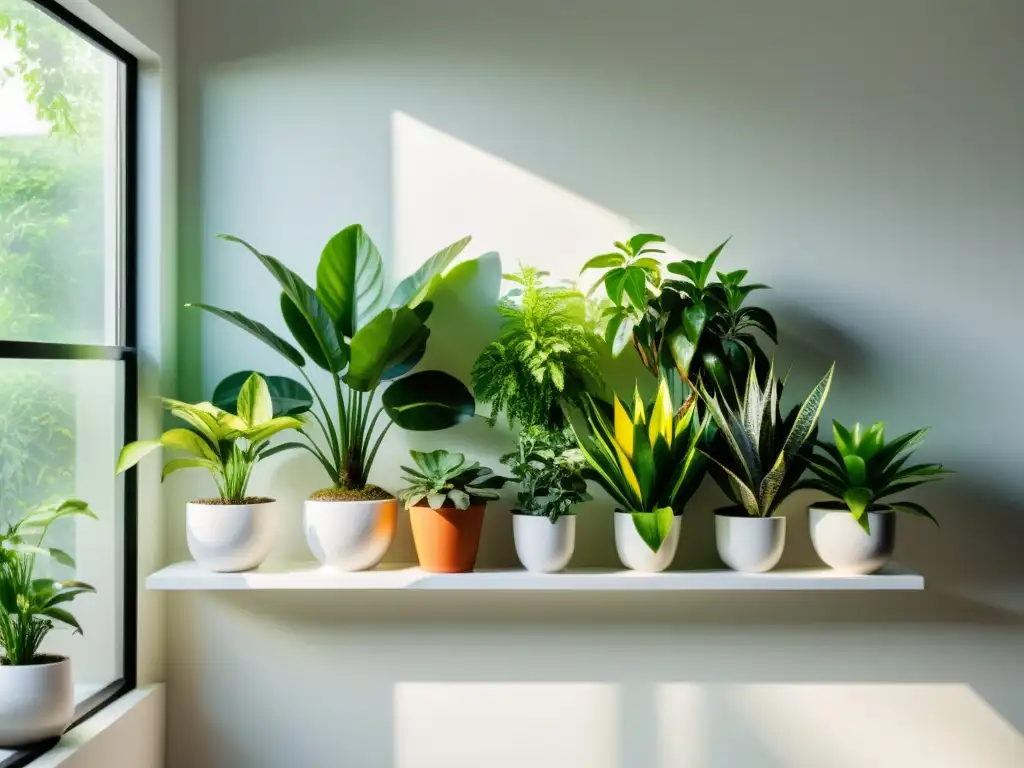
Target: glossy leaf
[
  {"x": 258, "y": 330},
  {"x": 254, "y": 406},
  {"x": 133, "y": 453},
  {"x": 428, "y": 401},
  {"x": 416, "y": 288},
  {"x": 288, "y": 397},
  {"x": 619, "y": 332},
  {"x": 654, "y": 527},
  {"x": 349, "y": 280},
  {"x": 636, "y": 242},
  {"x": 604, "y": 261}
]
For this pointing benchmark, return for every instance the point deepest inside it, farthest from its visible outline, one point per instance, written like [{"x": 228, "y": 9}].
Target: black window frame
[{"x": 127, "y": 354}]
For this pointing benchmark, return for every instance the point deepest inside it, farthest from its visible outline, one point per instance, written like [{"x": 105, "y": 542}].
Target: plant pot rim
[
  {"x": 739, "y": 513},
  {"x": 452, "y": 508},
  {"x": 350, "y": 501},
  {"x": 55, "y": 660},
  {"x": 259, "y": 502},
  {"x": 520, "y": 513},
  {"x": 838, "y": 506},
  {"x": 626, "y": 512}
]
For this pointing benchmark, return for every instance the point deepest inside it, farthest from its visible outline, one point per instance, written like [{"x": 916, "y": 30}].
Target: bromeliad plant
[
  {"x": 545, "y": 356},
  {"x": 650, "y": 460},
  {"x": 365, "y": 341},
  {"x": 760, "y": 455},
  {"x": 548, "y": 466},
  {"x": 686, "y": 327},
  {"x": 227, "y": 445},
  {"x": 860, "y": 470},
  {"x": 444, "y": 479},
  {"x": 31, "y": 606}
]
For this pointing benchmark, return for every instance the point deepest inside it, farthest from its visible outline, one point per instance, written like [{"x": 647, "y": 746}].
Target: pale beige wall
[{"x": 868, "y": 161}]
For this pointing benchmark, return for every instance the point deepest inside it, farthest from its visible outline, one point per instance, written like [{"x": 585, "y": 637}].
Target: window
[{"x": 68, "y": 369}]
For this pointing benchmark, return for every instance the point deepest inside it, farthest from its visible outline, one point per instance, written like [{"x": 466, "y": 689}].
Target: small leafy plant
[
  {"x": 544, "y": 357},
  {"x": 548, "y": 465},
  {"x": 860, "y": 470},
  {"x": 650, "y": 461},
  {"x": 227, "y": 445},
  {"x": 762, "y": 455},
  {"x": 444, "y": 479},
  {"x": 29, "y": 605},
  {"x": 367, "y": 343}
]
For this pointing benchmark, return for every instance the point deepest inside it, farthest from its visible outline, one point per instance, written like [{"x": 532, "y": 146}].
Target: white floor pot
[
  {"x": 37, "y": 702},
  {"x": 842, "y": 544},
  {"x": 541, "y": 545},
  {"x": 230, "y": 537},
  {"x": 750, "y": 544},
  {"x": 634, "y": 552},
  {"x": 350, "y": 535}
]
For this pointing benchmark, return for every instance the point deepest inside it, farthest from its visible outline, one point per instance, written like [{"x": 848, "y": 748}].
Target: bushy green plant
[
  {"x": 348, "y": 327},
  {"x": 215, "y": 439},
  {"x": 650, "y": 460},
  {"x": 861, "y": 470},
  {"x": 444, "y": 479},
  {"x": 548, "y": 466},
  {"x": 762, "y": 455},
  {"x": 30, "y": 606},
  {"x": 544, "y": 357}
]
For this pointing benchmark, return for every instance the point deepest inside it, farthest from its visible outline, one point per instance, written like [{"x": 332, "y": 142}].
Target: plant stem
[
  {"x": 373, "y": 454},
  {"x": 329, "y": 432}
]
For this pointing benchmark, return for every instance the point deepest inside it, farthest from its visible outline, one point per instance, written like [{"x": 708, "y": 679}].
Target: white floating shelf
[{"x": 189, "y": 576}]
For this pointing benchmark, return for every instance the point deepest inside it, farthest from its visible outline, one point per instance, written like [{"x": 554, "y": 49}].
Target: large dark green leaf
[
  {"x": 635, "y": 285},
  {"x": 301, "y": 332},
  {"x": 618, "y": 332},
  {"x": 404, "y": 362},
  {"x": 762, "y": 319},
  {"x": 654, "y": 527},
  {"x": 428, "y": 401},
  {"x": 258, "y": 330},
  {"x": 387, "y": 339},
  {"x": 418, "y": 286},
  {"x": 350, "y": 279},
  {"x": 290, "y": 398},
  {"x": 615, "y": 284}
]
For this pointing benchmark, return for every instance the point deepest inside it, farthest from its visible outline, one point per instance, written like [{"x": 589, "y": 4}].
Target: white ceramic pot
[
  {"x": 230, "y": 537},
  {"x": 37, "y": 702},
  {"x": 750, "y": 544},
  {"x": 350, "y": 535},
  {"x": 541, "y": 545},
  {"x": 634, "y": 552},
  {"x": 842, "y": 544}
]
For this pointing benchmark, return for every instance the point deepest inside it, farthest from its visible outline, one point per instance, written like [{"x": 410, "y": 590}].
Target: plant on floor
[
  {"x": 544, "y": 358},
  {"x": 760, "y": 455},
  {"x": 686, "y": 328},
  {"x": 650, "y": 461},
  {"x": 860, "y": 470},
  {"x": 444, "y": 479},
  {"x": 30, "y": 606},
  {"x": 227, "y": 445},
  {"x": 548, "y": 466},
  {"x": 365, "y": 341}
]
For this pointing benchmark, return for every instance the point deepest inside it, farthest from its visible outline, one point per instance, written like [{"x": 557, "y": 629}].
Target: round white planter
[
  {"x": 750, "y": 544},
  {"x": 350, "y": 535},
  {"x": 37, "y": 702},
  {"x": 634, "y": 552},
  {"x": 230, "y": 537},
  {"x": 842, "y": 544},
  {"x": 541, "y": 545}
]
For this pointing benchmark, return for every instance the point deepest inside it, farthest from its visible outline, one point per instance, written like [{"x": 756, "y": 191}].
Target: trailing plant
[
  {"x": 687, "y": 328},
  {"x": 227, "y": 445},
  {"x": 650, "y": 460},
  {"x": 347, "y": 327},
  {"x": 446, "y": 479},
  {"x": 760, "y": 455},
  {"x": 544, "y": 358},
  {"x": 860, "y": 470},
  {"x": 30, "y": 607},
  {"x": 548, "y": 465}
]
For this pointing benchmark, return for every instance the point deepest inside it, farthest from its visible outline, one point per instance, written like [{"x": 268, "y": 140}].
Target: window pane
[
  {"x": 60, "y": 170},
  {"x": 60, "y": 432}
]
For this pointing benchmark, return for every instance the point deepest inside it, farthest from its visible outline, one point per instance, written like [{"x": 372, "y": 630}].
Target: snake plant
[
  {"x": 761, "y": 455},
  {"x": 860, "y": 470},
  {"x": 649, "y": 459}
]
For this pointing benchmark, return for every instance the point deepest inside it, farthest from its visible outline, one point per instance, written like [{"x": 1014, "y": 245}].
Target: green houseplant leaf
[
  {"x": 350, "y": 279},
  {"x": 258, "y": 330},
  {"x": 417, "y": 287},
  {"x": 289, "y": 397},
  {"x": 428, "y": 401}
]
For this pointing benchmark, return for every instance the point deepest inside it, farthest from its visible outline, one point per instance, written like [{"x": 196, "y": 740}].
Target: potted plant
[
  {"x": 857, "y": 532},
  {"x": 543, "y": 362},
  {"x": 548, "y": 466},
  {"x": 687, "y": 328},
  {"x": 650, "y": 462},
  {"x": 37, "y": 692},
  {"x": 367, "y": 343},
  {"x": 446, "y": 498},
  {"x": 758, "y": 459},
  {"x": 233, "y": 531}
]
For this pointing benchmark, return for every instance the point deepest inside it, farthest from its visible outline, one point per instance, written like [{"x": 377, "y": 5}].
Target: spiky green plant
[
  {"x": 762, "y": 455},
  {"x": 444, "y": 479},
  {"x": 860, "y": 470},
  {"x": 544, "y": 357}
]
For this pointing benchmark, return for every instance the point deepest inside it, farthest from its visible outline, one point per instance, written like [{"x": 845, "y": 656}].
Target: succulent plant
[{"x": 446, "y": 479}]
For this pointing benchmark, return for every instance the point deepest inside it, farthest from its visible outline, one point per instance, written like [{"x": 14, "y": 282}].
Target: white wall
[{"x": 868, "y": 161}]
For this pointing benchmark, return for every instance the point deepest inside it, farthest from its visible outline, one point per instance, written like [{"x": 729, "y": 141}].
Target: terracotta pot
[{"x": 447, "y": 539}]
